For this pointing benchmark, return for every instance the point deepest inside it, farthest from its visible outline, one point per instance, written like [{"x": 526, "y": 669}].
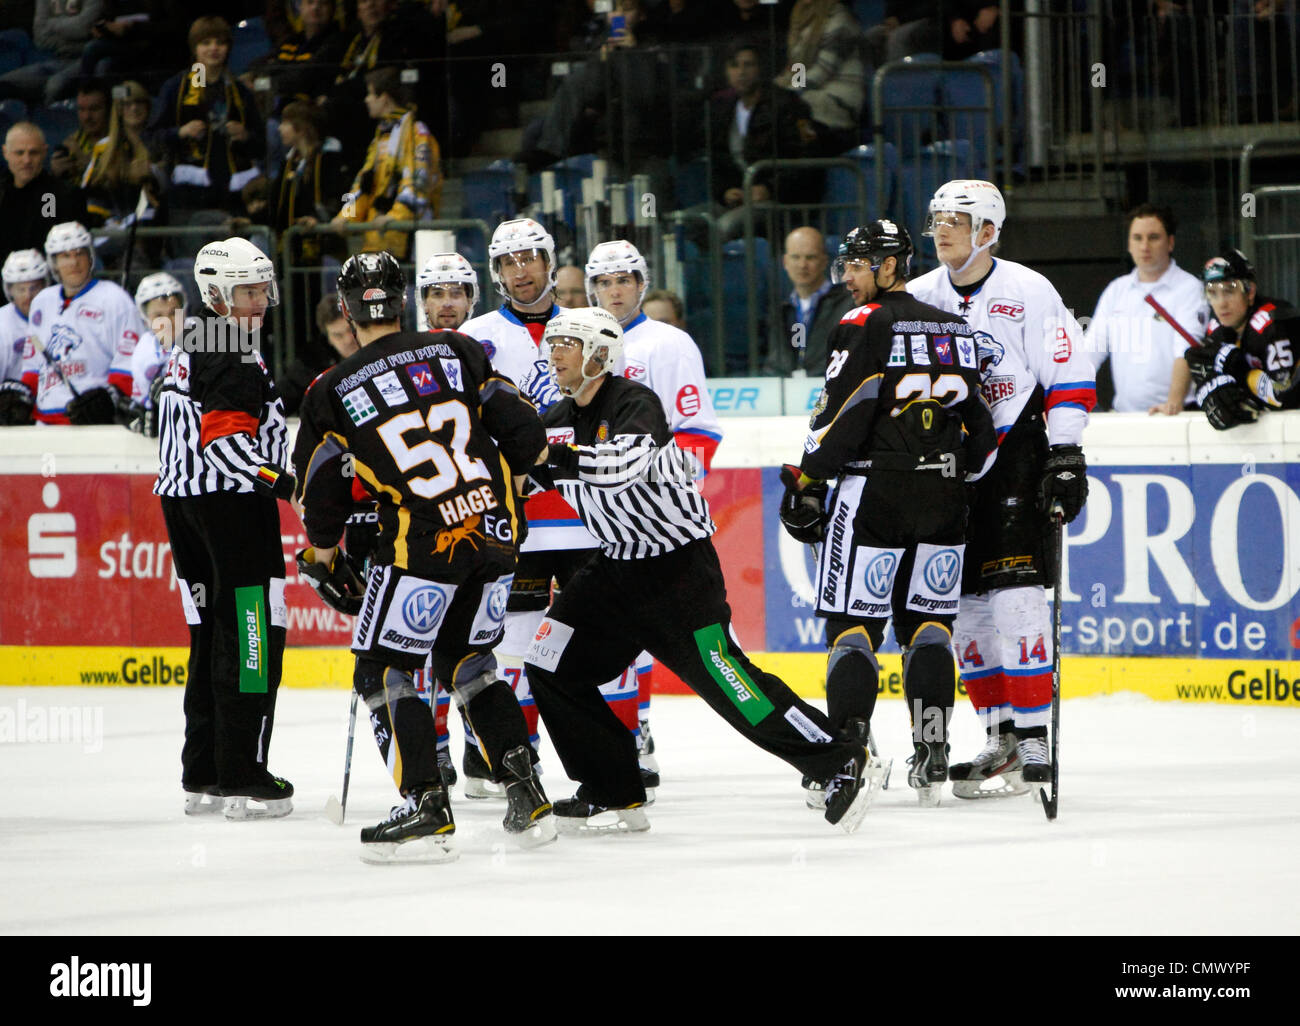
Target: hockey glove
[
  {"x": 15, "y": 404},
  {"x": 361, "y": 536},
  {"x": 338, "y": 585},
  {"x": 1226, "y": 403},
  {"x": 274, "y": 481},
  {"x": 1065, "y": 480},
  {"x": 803, "y": 512},
  {"x": 94, "y": 406}
]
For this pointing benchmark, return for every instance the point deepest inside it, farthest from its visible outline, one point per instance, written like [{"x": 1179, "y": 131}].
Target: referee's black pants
[
  {"x": 230, "y": 566},
  {"x": 675, "y": 607}
]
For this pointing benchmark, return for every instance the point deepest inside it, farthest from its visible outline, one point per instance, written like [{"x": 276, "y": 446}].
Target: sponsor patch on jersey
[
  {"x": 965, "y": 351},
  {"x": 90, "y": 313},
  {"x": 998, "y": 388},
  {"x": 422, "y": 378},
  {"x": 451, "y": 369},
  {"x": 391, "y": 390},
  {"x": 559, "y": 435},
  {"x": 688, "y": 401},
  {"x": 548, "y": 644},
  {"x": 359, "y": 407},
  {"x": 806, "y": 727},
  {"x": 729, "y": 674},
  {"x": 898, "y": 352},
  {"x": 859, "y": 314},
  {"x": 871, "y": 583},
  {"x": 1010, "y": 308},
  {"x": 936, "y": 579},
  {"x": 635, "y": 371},
  {"x": 489, "y": 348},
  {"x": 602, "y": 432},
  {"x": 1261, "y": 317},
  {"x": 1062, "y": 347},
  {"x": 36, "y": 318},
  {"x": 943, "y": 349},
  {"x": 491, "y": 613},
  {"x": 920, "y": 351}
]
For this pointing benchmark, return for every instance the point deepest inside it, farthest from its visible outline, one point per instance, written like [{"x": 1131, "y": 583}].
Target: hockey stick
[
  {"x": 1169, "y": 319},
  {"x": 335, "y": 810},
  {"x": 1058, "y": 534}
]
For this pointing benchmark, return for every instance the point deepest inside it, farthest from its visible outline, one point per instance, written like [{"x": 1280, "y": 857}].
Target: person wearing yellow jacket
[{"x": 401, "y": 179}]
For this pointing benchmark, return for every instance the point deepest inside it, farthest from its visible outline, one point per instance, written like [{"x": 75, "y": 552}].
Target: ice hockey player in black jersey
[
  {"x": 436, "y": 436},
  {"x": 655, "y": 584},
  {"x": 1248, "y": 363},
  {"x": 223, "y": 446},
  {"x": 902, "y": 424}
]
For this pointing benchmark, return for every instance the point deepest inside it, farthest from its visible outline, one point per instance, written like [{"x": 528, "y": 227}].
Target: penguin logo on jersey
[
  {"x": 880, "y": 574},
  {"x": 423, "y": 609},
  {"x": 941, "y": 570}
]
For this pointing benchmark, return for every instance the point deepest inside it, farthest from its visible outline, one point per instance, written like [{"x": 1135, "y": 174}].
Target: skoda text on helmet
[
  {"x": 1229, "y": 265},
  {"x": 24, "y": 265},
  {"x": 65, "y": 237},
  {"x": 597, "y": 330},
  {"x": 220, "y": 266},
  {"x": 523, "y": 234},
  {"x": 612, "y": 258},
  {"x": 980, "y": 199},
  {"x": 372, "y": 287},
  {"x": 875, "y": 242},
  {"x": 158, "y": 286},
  {"x": 448, "y": 269}
]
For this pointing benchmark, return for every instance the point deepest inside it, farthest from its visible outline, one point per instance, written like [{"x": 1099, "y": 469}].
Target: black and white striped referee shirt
[
  {"x": 615, "y": 461},
  {"x": 221, "y": 424}
]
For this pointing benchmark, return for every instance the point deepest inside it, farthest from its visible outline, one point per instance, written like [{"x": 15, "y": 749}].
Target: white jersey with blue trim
[
  {"x": 15, "y": 329},
  {"x": 1025, "y": 338},
  {"x": 666, "y": 360}
]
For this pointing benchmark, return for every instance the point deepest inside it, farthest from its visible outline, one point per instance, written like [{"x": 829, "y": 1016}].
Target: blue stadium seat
[
  {"x": 249, "y": 42},
  {"x": 995, "y": 62},
  {"x": 920, "y": 178},
  {"x": 735, "y": 287},
  {"x": 909, "y": 105},
  {"x": 841, "y": 188},
  {"x": 869, "y": 12},
  {"x": 11, "y": 112},
  {"x": 489, "y": 193},
  {"x": 691, "y": 181},
  {"x": 57, "y": 121},
  {"x": 967, "y": 114}
]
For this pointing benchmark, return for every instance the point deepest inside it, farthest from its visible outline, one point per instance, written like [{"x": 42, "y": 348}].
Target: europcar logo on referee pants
[
  {"x": 730, "y": 675},
  {"x": 250, "y": 624}
]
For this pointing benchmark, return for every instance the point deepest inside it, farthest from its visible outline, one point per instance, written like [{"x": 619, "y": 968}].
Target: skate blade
[
  {"x": 239, "y": 809},
  {"x": 649, "y": 796},
  {"x": 648, "y": 762},
  {"x": 479, "y": 788},
  {"x": 543, "y": 832},
  {"x": 814, "y": 798},
  {"x": 873, "y": 779},
  {"x": 202, "y": 804},
  {"x": 611, "y": 821},
  {"x": 418, "y": 851},
  {"x": 1008, "y": 785},
  {"x": 928, "y": 797},
  {"x": 334, "y": 811}
]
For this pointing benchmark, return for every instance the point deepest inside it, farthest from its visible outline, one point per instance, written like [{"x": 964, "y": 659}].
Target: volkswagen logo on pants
[
  {"x": 423, "y": 608},
  {"x": 880, "y": 574},
  {"x": 941, "y": 570}
]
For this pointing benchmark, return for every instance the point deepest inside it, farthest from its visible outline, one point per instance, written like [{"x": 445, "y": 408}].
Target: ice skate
[
  {"x": 650, "y": 780},
  {"x": 200, "y": 800},
  {"x": 645, "y": 748},
  {"x": 446, "y": 767},
  {"x": 478, "y": 778},
  {"x": 578, "y": 816},
  {"x": 852, "y": 789},
  {"x": 998, "y": 764},
  {"x": 814, "y": 793},
  {"x": 1035, "y": 763},
  {"x": 530, "y": 816},
  {"x": 419, "y": 831},
  {"x": 929, "y": 770},
  {"x": 269, "y": 799}
]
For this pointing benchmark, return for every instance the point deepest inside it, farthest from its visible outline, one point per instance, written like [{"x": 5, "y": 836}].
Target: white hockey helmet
[
  {"x": 612, "y": 258},
  {"x": 157, "y": 286},
  {"x": 448, "y": 269},
  {"x": 220, "y": 266},
  {"x": 980, "y": 199},
  {"x": 66, "y": 237},
  {"x": 600, "y": 334},
  {"x": 24, "y": 265},
  {"x": 521, "y": 234}
]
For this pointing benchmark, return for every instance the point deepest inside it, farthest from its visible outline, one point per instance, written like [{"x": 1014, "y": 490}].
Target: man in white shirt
[{"x": 1131, "y": 323}]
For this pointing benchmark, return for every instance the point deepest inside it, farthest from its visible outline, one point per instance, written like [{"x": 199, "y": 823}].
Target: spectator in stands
[
  {"x": 571, "y": 287},
  {"x": 32, "y": 200},
  {"x": 811, "y": 311},
  {"x": 210, "y": 125},
  {"x": 376, "y": 40},
  {"x": 665, "y": 305},
  {"x": 61, "y": 30},
  {"x": 69, "y": 160},
  {"x": 334, "y": 326},
  {"x": 306, "y": 63},
  {"x": 132, "y": 34},
  {"x": 972, "y": 26},
  {"x": 824, "y": 67},
  {"x": 401, "y": 179},
  {"x": 751, "y": 121},
  {"x": 909, "y": 27},
  {"x": 1131, "y": 322}
]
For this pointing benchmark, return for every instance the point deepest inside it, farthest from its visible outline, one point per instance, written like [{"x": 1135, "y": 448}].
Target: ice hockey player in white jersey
[
  {"x": 85, "y": 332},
  {"x": 24, "y": 273},
  {"x": 666, "y": 360},
  {"x": 448, "y": 288},
  {"x": 1040, "y": 385},
  {"x": 160, "y": 299}
]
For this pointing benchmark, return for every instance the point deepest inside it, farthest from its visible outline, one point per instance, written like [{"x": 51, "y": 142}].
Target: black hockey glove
[
  {"x": 338, "y": 585},
  {"x": 15, "y": 404},
  {"x": 1226, "y": 403},
  {"x": 94, "y": 406},
  {"x": 274, "y": 481},
  {"x": 803, "y": 512},
  {"x": 1065, "y": 480},
  {"x": 361, "y": 536}
]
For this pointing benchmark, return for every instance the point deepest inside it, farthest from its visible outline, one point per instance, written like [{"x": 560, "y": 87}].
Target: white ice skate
[{"x": 994, "y": 773}]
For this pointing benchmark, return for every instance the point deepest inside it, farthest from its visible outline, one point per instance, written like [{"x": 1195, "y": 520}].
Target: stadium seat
[
  {"x": 909, "y": 114},
  {"x": 691, "y": 182},
  {"x": 11, "y": 112},
  {"x": 249, "y": 43},
  {"x": 489, "y": 193},
  {"x": 735, "y": 289},
  {"x": 920, "y": 178},
  {"x": 841, "y": 188},
  {"x": 57, "y": 121},
  {"x": 967, "y": 114},
  {"x": 995, "y": 62}
]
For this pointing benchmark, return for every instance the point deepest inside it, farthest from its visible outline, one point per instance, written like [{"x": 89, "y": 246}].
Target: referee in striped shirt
[
  {"x": 655, "y": 584},
  {"x": 223, "y": 447}
]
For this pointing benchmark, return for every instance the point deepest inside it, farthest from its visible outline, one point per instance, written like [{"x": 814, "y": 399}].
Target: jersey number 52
[{"x": 449, "y": 466}]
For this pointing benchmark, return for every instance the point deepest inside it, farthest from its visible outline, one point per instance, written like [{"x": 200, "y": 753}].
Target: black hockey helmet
[
  {"x": 875, "y": 242},
  {"x": 1229, "y": 265},
  {"x": 372, "y": 287}
]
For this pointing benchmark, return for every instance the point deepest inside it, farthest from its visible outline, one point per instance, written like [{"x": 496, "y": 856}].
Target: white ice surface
[{"x": 1174, "y": 819}]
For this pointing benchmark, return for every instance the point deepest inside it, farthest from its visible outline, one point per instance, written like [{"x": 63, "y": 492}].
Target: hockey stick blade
[
  {"x": 1049, "y": 804},
  {"x": 334, "y": 811}
]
